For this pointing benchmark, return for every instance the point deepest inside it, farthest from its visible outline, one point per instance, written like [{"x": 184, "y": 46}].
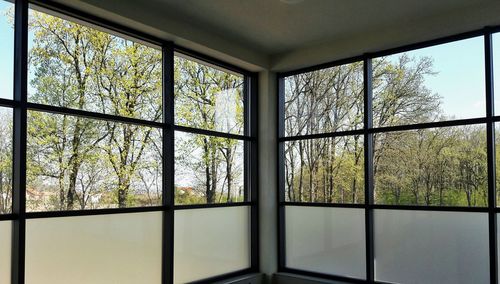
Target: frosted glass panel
[
  {"x": 5, "y": 245},
  {"x": 209, "y": 242},
  {"x": 326, "y": 240},
  {"x": 119, "y": 248},
  {"x": 498, "y": 248},
  {"x": 431, "y": 247}
]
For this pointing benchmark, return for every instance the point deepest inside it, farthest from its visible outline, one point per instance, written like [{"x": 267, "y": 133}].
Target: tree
[
  {"x": 209, "y": 98},
  {"x": 87, "y": 161},
  {"x": 442, "y": 166}
]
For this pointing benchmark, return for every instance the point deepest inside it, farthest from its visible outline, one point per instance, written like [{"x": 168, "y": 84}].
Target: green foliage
[
  {"x": 85, "y": 163},
  {"x": 208, "y": 98},
  {"x": 80, "y": 163},
  {"x": 445, "y": 166}
]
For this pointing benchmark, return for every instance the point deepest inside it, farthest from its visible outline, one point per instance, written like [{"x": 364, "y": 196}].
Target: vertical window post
[
  {"x": 251, "y": 162},
  {"x": 368, "y": 151},
  {"x": 490, "y": 134},
  {"x": 281, "y": 175},
  {"x": 168, "y": 164},
  {"x": 19, "y": 143}
]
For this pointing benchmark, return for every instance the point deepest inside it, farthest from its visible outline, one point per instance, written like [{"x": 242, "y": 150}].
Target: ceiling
[
  {"x": 264, "y": 32},
  {"x": 273, "y": 26}
]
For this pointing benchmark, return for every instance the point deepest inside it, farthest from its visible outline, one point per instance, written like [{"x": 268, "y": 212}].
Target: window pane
[
  {"x": 326, "y": 100},
  {"x": 431, "y": 247},
  {"x": 437, "y": 83},
  {"x": 81, "y": 163},
  {"x": 5, "y": 250},
  {"x": 325, "y": 170},
  {"x": 5, "y": 160},
  {"x": 78, "y": 67},
  {"x": 497, "y": 157},
  {"x": 326, "y": 240},
  {"x": 118, "y": 248},
  {"x": 207, "y": 97},
  {"x": 498, "y": 248},
  {"x": 437, "y": 166},
  {"x": 6, "y": 50},
  {"x": 210, "y": 242},
  {"x": 208, "y": 169},
  {"x": 496, "y": 70}
]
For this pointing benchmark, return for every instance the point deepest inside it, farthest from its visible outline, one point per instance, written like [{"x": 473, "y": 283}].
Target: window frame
[
  {"x": 368, "y": 132},
  {"x": 19, "y": 105}
]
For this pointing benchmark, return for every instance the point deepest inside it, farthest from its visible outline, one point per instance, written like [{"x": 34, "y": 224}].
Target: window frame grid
[
  {"x": 20, "y": 106},
  {"x": 368, "y": 131}
]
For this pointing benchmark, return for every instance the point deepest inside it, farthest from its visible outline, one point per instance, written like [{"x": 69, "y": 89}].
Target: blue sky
[
  {"x": 460, "y": 67},
  {"x": 460, "y": 76},
  {"x": 6, "y": 52}
]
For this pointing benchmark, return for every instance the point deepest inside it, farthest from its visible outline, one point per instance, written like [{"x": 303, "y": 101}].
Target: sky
[
  {"x": 460, "y": 67},
  {"x": 6, "y": 52},
  {"x": 460, "y": 76}
]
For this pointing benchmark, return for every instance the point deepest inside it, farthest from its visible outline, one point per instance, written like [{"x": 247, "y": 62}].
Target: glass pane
[
  {"x": 326, "y": 240},
  {"x": 498, "y": 248},
  {"x": 442, "y": 82},
  {"x": 327, "y": 170},
  {"x": 5, "y": 250},
  {"x": 436, "y": 166},
  {"x": 207, "y": 97},
  {"x": 431, "y": 247},
  {"x": 5, "y": 160},
  {"x": 118, "y": 248},
  {"x": 79, "y": 67},
  {"x": 326, "y": 100},
  {"x": 80, "y": 163},
  {"x": 210, "y": 242},
  {"x": 497, "y": 162},
  {"x": 496, "y": 70},
  {"x": 208, "y": 169},
  {"x": 6, "y": 50}
]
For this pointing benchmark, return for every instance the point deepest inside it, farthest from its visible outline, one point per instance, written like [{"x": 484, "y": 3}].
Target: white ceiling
[{"x": 266, "y": 32}]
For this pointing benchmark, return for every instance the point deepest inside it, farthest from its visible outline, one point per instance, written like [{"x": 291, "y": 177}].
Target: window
[
  {"x": 208, "y": 97},
  {"x": 102, "y": 152},
  {"x": 327, "y": 100},
  {"x": 430, "y": 84},
  {"x": 436, "y": 248},
  {"x": 211, "y": 241},
  {"x": 5, "y": 160},
  {"x": 123, "y": 248},
  {"x": 211, "y": 169},
  {"x": 337, "y": 244},
  {"x": 79, "y": 67},
  {"x": 7, "y": 48},
  {"x": 81, "y": 163},
  {"x": 444, "y": 166},
  {"x": 5, "y": 250},
  {"x": 390, "y": 162},
  {"x": 325, "y": 170}
]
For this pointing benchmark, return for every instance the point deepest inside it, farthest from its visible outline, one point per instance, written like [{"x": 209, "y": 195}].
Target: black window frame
[
  {"x": 19, "y": 105},
  {"x": 368, "y": 132}
]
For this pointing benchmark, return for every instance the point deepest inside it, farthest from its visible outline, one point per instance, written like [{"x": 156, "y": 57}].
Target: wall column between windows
[{"x": 268, "y": 183}]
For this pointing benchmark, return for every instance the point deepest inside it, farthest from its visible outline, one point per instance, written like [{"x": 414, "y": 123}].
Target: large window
[
  {"x": 387, "y": 165},
  {"x": 119, "y": 154}
]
